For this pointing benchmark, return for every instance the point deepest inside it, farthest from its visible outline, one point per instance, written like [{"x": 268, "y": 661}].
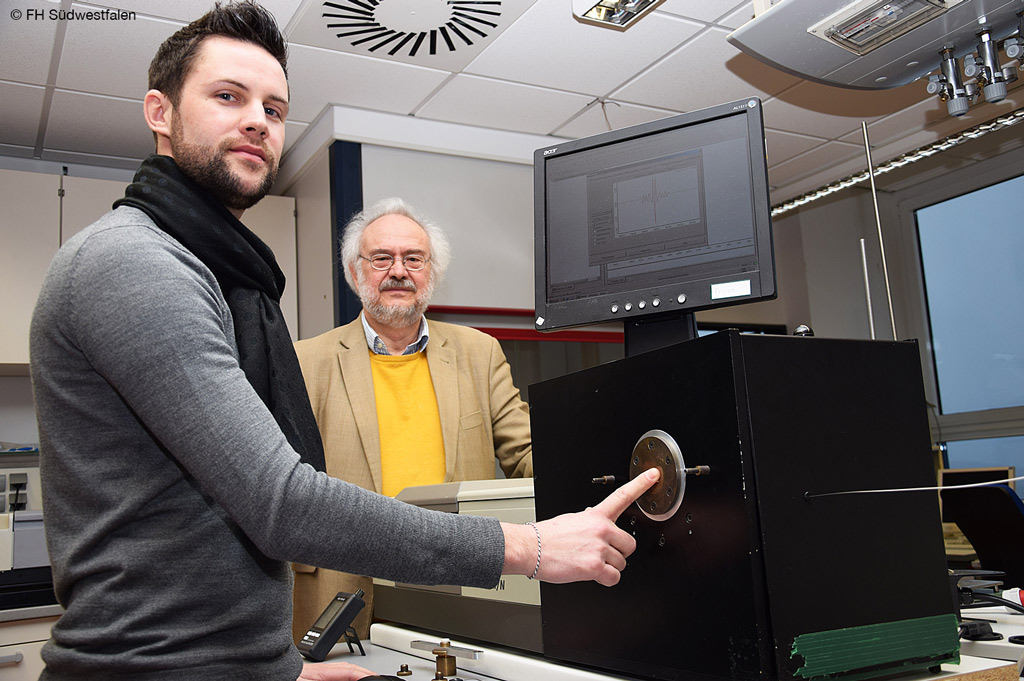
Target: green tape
[{"x": 875, "y": 649}]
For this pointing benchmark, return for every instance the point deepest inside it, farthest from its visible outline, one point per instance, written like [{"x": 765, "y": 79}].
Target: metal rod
[
  {"x": 878, "y": 224},
  {"x": 867, "y": 288}
]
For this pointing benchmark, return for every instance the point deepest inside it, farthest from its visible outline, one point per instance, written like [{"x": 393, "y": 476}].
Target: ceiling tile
[
  {"x": 916, "y": 140},
  {"x": 811, "y": 163},
  {"x": 186, "y": 11},
  {"x": 114, "y": 127},
  {"x": 95, "y": 48},
  {"x": 21, "y": 107},
  {"x": 292, "y": 132},
  {"x": 180, "y": 10},
  {"x": 27, "y": 43},
  {"x": 597, "y": 119},
  {"x": 708, "y": 10},
  {"x": 931, "y": 115},
  {"x": 833, "y": 112},
  {"x": 928, "y": 112},
  {"x": 928, "y": 122},
  {"x": 976, "y": 150},
  {"x": 909, "y": 142},
  {"x": 548, "y": 47},
  {"x": 783, "y": 146},
  {"x": 680, "y": 83},
  {"x": 17, "y": 152},
  {"x": 537, "y": 71},
  {"x": 740, "y": 16},
  {"x": 506, "y": 106},
  {"x": 283, "y": 10},
  {"x": 128, "y": 164},
  {"x": 319, "y": 77},
  {"x": 997, "y": 146},
  {"x": 988, "y": 146},
  {"x": 432, "y": 33}
]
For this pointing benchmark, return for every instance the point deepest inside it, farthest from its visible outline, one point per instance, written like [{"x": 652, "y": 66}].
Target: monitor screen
[
  {"x": 951, "y": 477},
  {"x": 662, "y": 218}
]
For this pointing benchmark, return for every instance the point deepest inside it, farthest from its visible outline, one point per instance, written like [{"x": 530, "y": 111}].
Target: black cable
[
  {"x": 17, "y": 496},
  {"x": 997, "y": 600}
]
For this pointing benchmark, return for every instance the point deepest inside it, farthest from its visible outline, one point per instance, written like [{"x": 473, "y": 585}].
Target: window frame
[{"x": 912, "y": 319}]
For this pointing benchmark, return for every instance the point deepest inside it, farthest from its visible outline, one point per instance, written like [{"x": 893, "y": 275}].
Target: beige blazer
[{"x": 482, "y": 418}]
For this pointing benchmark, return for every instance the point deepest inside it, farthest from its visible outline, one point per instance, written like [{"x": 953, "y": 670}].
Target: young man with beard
[
  {"x": 179, "y": 454},
  {"x": 400, "y": 401}
]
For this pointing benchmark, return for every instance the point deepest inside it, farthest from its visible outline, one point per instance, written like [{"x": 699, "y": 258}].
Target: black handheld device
[{"x": 331, "y": 625}]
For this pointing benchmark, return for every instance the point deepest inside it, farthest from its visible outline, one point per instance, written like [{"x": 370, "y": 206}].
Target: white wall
[
  {"x": 312, "y": 193},
  {"x": 17, "y": 415},
  {"x": 830, "y": 231},
  {"x": 486, "y": 208},
  {"x": 36, "y": 222}
]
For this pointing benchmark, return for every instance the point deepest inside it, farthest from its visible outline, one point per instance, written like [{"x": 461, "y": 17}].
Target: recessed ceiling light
[{"x": 618, "y": 14}]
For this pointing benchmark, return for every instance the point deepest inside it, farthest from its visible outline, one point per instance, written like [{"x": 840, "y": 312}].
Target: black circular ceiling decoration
[{"x": 412, "y": 28}]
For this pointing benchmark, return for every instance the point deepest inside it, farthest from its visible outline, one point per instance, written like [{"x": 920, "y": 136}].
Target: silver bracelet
[{"x": 536, "y": 569}]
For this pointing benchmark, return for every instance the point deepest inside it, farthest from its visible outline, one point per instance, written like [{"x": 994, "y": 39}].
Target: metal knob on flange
[{"x": 658, "y": 449}]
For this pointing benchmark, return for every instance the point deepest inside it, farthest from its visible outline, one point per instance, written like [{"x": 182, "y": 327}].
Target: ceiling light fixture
[
  {"x": 918, "y": 154},
  {"x": 618, "y": 14}
]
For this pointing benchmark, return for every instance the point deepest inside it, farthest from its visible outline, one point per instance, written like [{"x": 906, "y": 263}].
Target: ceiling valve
[
  {"x": 985, "y": 67},
  {"x": 950, "y": 86}
]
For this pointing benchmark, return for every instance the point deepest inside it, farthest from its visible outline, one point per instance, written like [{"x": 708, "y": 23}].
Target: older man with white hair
[{"x": 400, "y": 401}]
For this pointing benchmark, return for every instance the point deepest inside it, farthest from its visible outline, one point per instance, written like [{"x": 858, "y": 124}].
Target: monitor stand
[{"x": 658, "y": 331}]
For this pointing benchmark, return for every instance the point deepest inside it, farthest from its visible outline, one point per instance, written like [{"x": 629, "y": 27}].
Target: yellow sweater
[{"x": 411, "y": 443}]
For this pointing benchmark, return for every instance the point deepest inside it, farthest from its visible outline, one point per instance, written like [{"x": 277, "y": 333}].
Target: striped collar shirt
[{"x": 374, "y": 342}]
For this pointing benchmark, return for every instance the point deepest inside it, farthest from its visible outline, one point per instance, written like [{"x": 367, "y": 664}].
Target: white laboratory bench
[
  {"x": 26, "y": 629},
  {"x": 390, "y": 648},
  {"x": 1003, "y": 622}
]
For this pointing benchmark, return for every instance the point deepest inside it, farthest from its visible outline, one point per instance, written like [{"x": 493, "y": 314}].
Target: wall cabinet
[{"x": 37, "y": 220}]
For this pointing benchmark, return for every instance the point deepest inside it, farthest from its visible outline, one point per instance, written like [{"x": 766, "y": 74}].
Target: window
[
  {"x": 972, "y": 262},
  {"x": 972, "y": 253},
  {"x": 988, "y": 453}
]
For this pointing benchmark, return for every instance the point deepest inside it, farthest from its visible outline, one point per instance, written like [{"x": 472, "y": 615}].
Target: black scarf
[{"x": 252, "y": 283}]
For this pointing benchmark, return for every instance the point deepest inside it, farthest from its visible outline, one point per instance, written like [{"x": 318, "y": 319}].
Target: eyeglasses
[{"x": 383, "y": 261}]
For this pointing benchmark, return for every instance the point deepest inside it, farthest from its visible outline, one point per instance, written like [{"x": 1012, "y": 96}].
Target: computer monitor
[
  {"x": 647, "y": 224},
  {"x": 950, "y": 477}
]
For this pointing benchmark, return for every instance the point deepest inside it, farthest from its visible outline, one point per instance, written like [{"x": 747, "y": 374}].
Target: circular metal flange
[{"x": 657, "y": 449}]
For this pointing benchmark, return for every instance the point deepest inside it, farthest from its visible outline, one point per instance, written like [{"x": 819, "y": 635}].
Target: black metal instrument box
[{"x": 754, "y": 576}]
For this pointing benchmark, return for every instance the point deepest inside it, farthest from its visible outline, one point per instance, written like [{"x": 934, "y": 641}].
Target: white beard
[{"x": 395, "y": 316}]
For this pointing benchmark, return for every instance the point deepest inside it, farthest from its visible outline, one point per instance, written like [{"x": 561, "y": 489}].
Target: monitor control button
[
  {"x": 681, "y": 299},
  {"x": 627, "y": 307},
  {"x": 642, "y": 304},
  {"x": 656, "y": 302},
  {"x": 615, "y": 308}
]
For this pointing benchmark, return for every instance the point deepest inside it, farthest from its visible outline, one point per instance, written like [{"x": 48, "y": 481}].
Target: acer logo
[{"x": 550, "y": 151}]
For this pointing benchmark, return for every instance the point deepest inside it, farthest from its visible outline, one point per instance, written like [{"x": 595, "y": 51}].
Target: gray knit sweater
[{"x": 172, "y": 499}]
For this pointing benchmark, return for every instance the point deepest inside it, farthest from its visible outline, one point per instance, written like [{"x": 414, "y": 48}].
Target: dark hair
[{"x": 244, "y": 21}]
